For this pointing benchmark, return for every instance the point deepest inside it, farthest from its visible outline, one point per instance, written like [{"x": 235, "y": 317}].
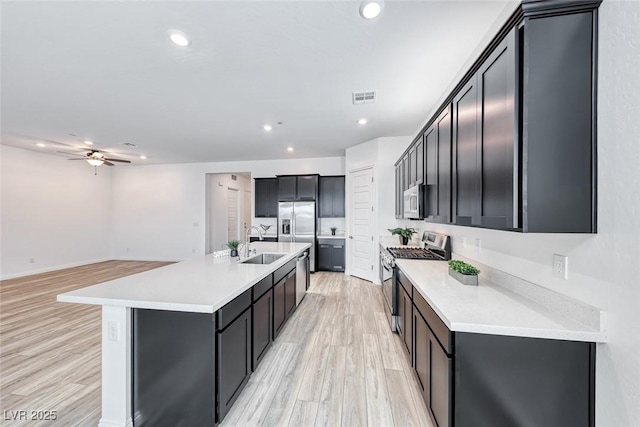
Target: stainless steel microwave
[{"x": 413, "y": 206}]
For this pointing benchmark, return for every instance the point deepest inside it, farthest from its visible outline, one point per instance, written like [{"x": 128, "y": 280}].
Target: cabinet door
[
  {"x": 287, "y": 188},
  {"x": 262, "y": 327},
  {"x": 412, "y": 166},
  {"x": 421, "y": 353},
  {"x": 405, "y": 320},
  {"x": 279, "y": 309},
  {"x": 466, "y": 176},
  {"x": 440, "y": 374},
  {"x": 420, "y": 161},
  {"x": 398, "y": 191},
  {"x": 405, "y": 174},
  {"x": 326, "y": 197},
  {"x": 234, "y": 361},
  {"x": 339, "y": 210},
  {"x": 337, "y": 257},
  {"x": 266, "y": 198},
  {"x": 443, "y": 135},
  {"x": 497, "y": 162},
  {"x": 273, "y": 198},
  {"x": 307, "y": 187},
  {"x": 290, "y": 293},
  {"x": 325, "y": 257},
  {"x": 431, "y": 174}
]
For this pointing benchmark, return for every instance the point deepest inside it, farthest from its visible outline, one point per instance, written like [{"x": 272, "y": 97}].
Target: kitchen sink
[{"x": 263, "y": 258}]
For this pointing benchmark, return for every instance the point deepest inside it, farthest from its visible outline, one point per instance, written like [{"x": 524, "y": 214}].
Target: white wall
[
  {"x": 602, "y": 267},
  {"x": 381, "y": 154},
  {"x": 53, "y": 210},
  {"x": 159, "y": 211},
  {"x": 217, "y": 203}
]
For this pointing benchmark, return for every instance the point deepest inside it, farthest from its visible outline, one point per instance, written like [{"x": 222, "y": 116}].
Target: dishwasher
[{"x": 302, "y": 276}]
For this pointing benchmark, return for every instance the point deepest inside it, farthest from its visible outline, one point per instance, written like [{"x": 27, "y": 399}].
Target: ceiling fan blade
[
  {"x": 108, "y": 163},
  {"x": 117, "y": 160}
]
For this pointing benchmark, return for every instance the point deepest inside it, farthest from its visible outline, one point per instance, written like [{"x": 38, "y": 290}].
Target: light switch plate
[
  {"x": 113, "y": 331},
  {"x": 560, "y": 266}
]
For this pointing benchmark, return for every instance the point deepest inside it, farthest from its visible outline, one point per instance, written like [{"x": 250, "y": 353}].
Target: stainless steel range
[{"x": 437, "y": 247}]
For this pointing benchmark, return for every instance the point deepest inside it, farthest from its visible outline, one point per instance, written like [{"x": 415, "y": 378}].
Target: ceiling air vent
[
  {"x": 368, "y": 97},
  {"x": 234, "y": 178}
]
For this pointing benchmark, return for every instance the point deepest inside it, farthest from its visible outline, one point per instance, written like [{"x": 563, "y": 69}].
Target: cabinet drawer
[
  {"x": 405, "y": 283},
  {"x": 437, "y": 326},
  {"x": 262, "y": 286},
  {"x": 231, "y": 310},
  {"x": 284, "y": 270}
]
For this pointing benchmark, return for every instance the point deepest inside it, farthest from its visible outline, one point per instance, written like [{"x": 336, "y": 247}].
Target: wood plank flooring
[
  {"x": 336, "y": 363},
  {"x": 50, "y": 351}
]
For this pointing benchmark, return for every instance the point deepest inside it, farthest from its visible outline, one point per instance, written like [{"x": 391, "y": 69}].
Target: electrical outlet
[
  {"x": 32, "y": 260},
  {"x": 477, "y": 244},
  {"x": 113, "y": 331},
  {"x": 560, "y": 266}
]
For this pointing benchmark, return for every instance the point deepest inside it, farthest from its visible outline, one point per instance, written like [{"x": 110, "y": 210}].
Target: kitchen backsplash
[{"x": 327, "y": 223}]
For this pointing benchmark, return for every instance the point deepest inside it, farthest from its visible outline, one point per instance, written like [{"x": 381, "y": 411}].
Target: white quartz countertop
[
  {"x": 201, "y": 285},
  {"x": 330, "y": 236},
  {"x": 492, "y": 309}
]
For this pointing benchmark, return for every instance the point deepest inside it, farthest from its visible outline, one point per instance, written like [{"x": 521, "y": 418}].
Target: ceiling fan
[{"x": 95, "y": 158}]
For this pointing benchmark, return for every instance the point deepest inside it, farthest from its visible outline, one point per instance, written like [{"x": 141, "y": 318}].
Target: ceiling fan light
[{"x": 95, "y": 162}]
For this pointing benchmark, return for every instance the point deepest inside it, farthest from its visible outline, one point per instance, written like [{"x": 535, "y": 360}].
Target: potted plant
[
  {"x": 404, "y": 233},
  {"x": 333, "y": 230},
  {"x": 464, "y": 273},
  {"x": 233, "y": 245}
]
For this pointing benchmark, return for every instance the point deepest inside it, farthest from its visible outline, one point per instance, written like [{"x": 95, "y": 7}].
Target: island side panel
[
  {"x": 116, "y": 367},
  {"x": 173, "y": 368}
]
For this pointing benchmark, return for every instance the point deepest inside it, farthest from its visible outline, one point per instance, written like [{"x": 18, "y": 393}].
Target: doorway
[
  {"x": 228, "y": 206},
  {"x": 361, "y": 249}
]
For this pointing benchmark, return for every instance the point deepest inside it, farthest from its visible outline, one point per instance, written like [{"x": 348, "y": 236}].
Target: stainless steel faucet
[{"x": 247, "y": 241}]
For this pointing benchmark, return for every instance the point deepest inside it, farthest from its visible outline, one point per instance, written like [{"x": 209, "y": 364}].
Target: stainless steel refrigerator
[{"x": 297, "y": 223}]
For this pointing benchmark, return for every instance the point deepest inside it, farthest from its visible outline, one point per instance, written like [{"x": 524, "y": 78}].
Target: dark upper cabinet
[
  {"x": 405, "y": 173},
  {"x": 521, "y": 129},
  {"x": 297, "y": 188},
  {"x": 331, "y": 255},
  {"x": 287, "y": 188},
  {"x": 331, "y": 197},
  {"x": 420, "y": 161},
  {"x": 399, "y": 192},
  {"x": 233, "y": 361},
  {"x": 266, "y": 197},
  {"x": 437, "y": 140}
]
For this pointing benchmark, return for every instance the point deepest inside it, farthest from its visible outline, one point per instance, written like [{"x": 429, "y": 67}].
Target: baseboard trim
[
  {"x": 110, "y": 423},
  {"x": 53, "y": 268}
]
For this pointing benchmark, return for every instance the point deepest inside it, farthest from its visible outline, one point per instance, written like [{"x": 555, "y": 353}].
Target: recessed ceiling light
[
  {"x": 290, "y": 149},
  {"x": 143, "y": 157},
  {"x": 40, "y": 144},
  {"x": 88, "y": 142},
  {"x": 267, "y": 127},
  {"x": 370, "y": 9},
  {"x": 362, "y": 121},
  {"x": 179, "y": 38}
]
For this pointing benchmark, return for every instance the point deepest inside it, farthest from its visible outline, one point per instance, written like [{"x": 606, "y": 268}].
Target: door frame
[{"x": 374, "y": 220}]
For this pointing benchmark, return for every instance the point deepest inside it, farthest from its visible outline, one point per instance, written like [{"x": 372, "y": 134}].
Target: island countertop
[{"x": 201, "y": 285}]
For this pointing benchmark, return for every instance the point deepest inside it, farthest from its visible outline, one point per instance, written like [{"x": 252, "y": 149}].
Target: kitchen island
[{"x": 180, "y": 342}]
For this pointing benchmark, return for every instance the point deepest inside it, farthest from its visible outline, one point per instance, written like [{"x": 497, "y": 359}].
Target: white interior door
[
  {"x": 232, "y": 214},
  {"x": 361, "y": 223}
]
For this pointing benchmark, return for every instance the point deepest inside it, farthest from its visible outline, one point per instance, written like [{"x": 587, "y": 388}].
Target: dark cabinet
[
  {"x": 399, "y": 191},
  {"x": 331, "y": 255},
  {"x": 405, "y": 320},
  {"x": 233, "y": 361},
  {"x": 262, "y": 328},
  {"x": 279, "y": 306},
  {"x": 440, "y": 387},
  {"x": 518, "y": 150},
  {"x": 420, "y": 162},
  {"x": 331, "y": 197},
  {"x": 297, "y": 188},
  {"x": 266, "y": 197},
  {"x": 290, "y": 293},
  {"x": 264, "y": 239},
  {"x": 437, "y": 140}
]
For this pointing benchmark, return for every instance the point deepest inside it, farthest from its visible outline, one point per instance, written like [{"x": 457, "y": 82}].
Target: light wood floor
[
  {"x": 50, "y": 351},
  {"x": 336, "y": 363}
]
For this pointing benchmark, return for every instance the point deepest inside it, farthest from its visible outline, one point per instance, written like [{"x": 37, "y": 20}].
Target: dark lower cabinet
[
  {"x": 234, "y": 361},
  {"x": 290, "y": 293},
  {"x": 405, "y": 320},
  {"x": 440, "y": 386},
  {"x": 331, "y": 255},
  {"x": 279, "y": 305},
  {"x": 262, "y": 329},
  {"x": 173, "y": 357}
]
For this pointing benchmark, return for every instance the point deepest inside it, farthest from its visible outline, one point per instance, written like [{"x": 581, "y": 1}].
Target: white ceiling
[{"x": 106, "y": 71}]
